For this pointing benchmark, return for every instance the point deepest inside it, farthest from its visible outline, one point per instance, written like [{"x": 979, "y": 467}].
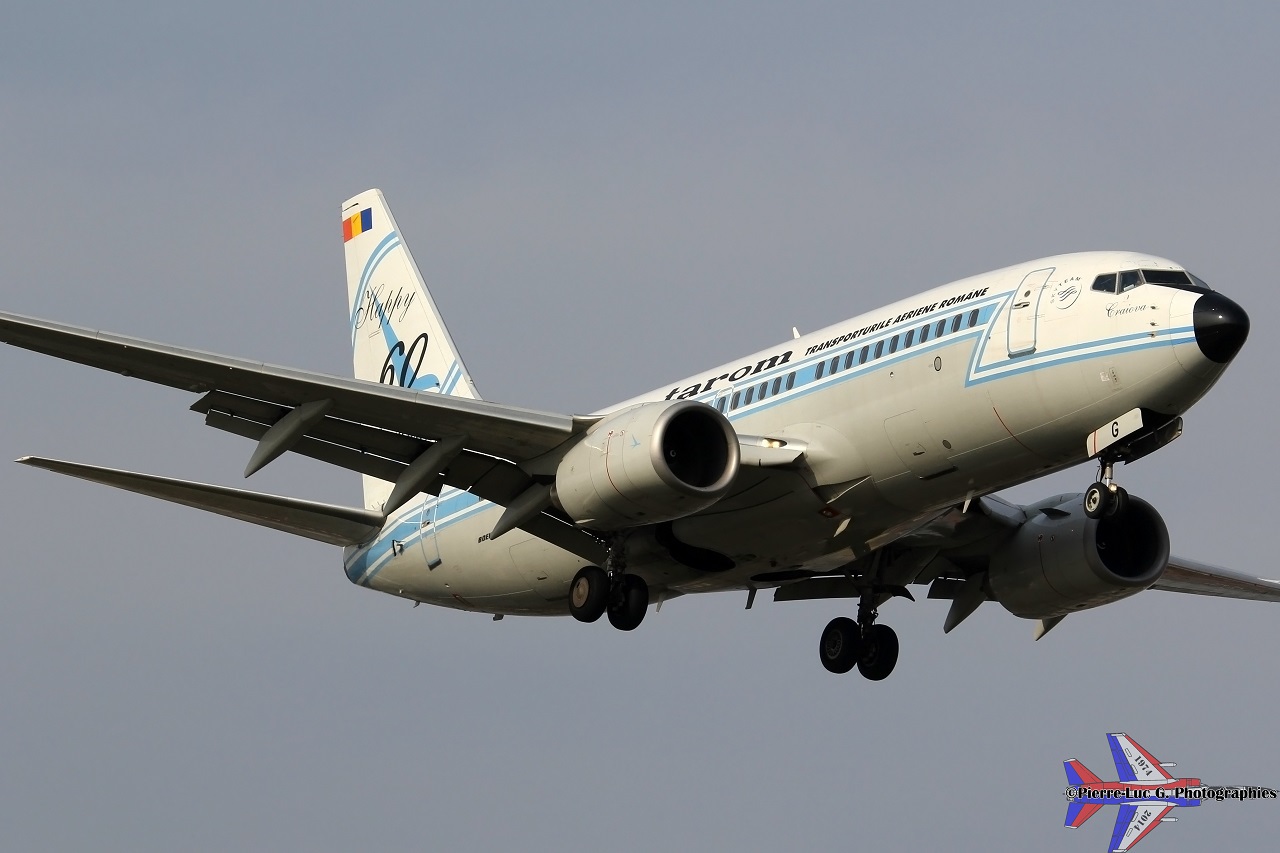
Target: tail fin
[{"x": 397, "y": 335}]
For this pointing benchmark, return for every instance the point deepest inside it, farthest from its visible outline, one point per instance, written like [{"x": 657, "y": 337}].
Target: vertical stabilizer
[{"x": 397, "y": 335}]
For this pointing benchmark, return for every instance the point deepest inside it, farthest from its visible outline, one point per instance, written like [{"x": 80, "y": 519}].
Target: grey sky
[{"x": 603, "y": 197}]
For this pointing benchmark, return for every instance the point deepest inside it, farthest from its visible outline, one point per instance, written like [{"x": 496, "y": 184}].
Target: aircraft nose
[{"x": 1221, "y": 327}]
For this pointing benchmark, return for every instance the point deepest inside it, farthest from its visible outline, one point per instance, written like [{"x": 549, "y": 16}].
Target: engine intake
[
  {"x": 1060, "y": 561},
  {"x": 650, "y": 463}
]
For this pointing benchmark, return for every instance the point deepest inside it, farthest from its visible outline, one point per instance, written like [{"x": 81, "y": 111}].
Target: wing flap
[
  {"x": 1202, "y": 579},
  {"x": 336, "y": 525},
  {"x": 493, "y": 480},
  {"x": 505, "y": 431}
]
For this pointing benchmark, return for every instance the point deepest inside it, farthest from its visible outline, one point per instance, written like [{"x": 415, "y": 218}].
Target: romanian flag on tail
[{"x": 357, "y": 224}]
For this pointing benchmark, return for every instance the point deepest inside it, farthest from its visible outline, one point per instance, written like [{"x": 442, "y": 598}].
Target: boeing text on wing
[{"x": 855, "y": 462}]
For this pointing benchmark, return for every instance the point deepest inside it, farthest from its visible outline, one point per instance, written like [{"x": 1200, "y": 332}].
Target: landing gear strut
[
  {"x": 1105, "y": 498},
  {"x": 871, "y": 647}
]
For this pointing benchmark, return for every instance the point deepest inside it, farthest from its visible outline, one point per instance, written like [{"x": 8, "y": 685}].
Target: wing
[
  {"x": 1133, "y": 763},
  {"x": 513, "y": 433},
  {"x": 1135, "y": 823},
  {"x": 1201, "y": 579},
  {"x": 380, "y": 430}
]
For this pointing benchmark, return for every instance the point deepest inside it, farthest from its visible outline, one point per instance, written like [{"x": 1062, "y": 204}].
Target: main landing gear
[
  {"x": 870, "y": 647},
  {"x": 594, "y": 593},
  {"x": 1104, "y": 498}
]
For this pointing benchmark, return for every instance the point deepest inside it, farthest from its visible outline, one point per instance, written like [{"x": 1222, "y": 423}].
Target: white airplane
[{"x": 853, "y": 462}]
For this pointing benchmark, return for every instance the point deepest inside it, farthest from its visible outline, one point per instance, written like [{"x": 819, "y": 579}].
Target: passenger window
[
  {"x": 941, "y": 330},
  {"x": 879, "y": 349},
  {"x": 791, "y": 380},
  {"x": 777, "y": 386},
  {"x": 848, "y": 360},
  {"x": 720, "y": 404},
  {"x": 924, "y": 334},
  {"x": 1105, "y": 283},
  {"x": 818, "y": 369},
  {"x": 746, "y": 399},
  {"x": 955, "y": 323},
  {"x": 893, "y": 344},
  {"x": 764, "y": 389},
  {"x": 862, "y": 356},
  {"x": 910, "y": 336},
  {"x": 973, "y": 318},
  {"x": 1129, "y": 280},
  {"x": 737, "y": 396},
  {"x": 835, "y": 364}
]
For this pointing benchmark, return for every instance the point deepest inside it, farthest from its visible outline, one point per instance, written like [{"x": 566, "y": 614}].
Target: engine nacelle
[
  {"x": 650, "y": 463},
  {"x": 1060, "y": 561}
]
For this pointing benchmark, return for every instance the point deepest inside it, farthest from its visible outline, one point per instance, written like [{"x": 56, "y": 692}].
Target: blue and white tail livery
[{"x": 397, "y": 334}]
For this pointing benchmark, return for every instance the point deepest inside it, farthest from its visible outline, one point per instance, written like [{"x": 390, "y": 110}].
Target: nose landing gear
[{"x": 1105, "y": 498}]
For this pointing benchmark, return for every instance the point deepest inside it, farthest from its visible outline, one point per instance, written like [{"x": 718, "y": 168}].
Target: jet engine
[
  {"x": 1060, "y": 561},
  {"x": 650, "y": 463}
]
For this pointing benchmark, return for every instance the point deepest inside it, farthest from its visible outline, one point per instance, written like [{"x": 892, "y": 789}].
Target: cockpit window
[
  {"x": 1105, "y": 283},
  {"x": 1165, "y": 277},
  {"x": 1199, "y": 282},
  {"x": 1129, "y": 280}
]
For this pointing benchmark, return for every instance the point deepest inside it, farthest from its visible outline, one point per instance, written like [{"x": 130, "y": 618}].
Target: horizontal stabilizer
[
  {"x": 336, "y": 525},
  {"x": 1078, "y": 774},
  {"x": 1078, "y": 813}
]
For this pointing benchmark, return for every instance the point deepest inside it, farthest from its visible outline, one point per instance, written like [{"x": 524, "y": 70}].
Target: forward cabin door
[{"x": 1025, "y": 311}]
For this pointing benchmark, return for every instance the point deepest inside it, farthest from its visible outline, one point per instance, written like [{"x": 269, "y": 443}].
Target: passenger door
[{"x": 1024, "y": 312}]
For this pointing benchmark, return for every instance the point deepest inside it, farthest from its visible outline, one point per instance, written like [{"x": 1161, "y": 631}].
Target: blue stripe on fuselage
[{"x": 367, "y": 560}]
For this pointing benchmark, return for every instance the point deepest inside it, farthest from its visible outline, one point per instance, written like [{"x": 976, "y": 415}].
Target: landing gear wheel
[
  {"x": 1119, "y": 501},
  {"x": 879, "y": 653},
  {"x": 840, "y": 644},
  {"x": 1097, "y": 500},
  {"x": 589, "y": 594},
  {"x": 628, "y": 602}
]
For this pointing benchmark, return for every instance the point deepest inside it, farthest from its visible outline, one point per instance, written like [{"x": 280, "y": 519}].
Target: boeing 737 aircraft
[{"x": 854, "y": 462}]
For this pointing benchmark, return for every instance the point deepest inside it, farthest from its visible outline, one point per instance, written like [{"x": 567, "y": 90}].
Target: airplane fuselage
[{"x": 965, "y": 389}]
